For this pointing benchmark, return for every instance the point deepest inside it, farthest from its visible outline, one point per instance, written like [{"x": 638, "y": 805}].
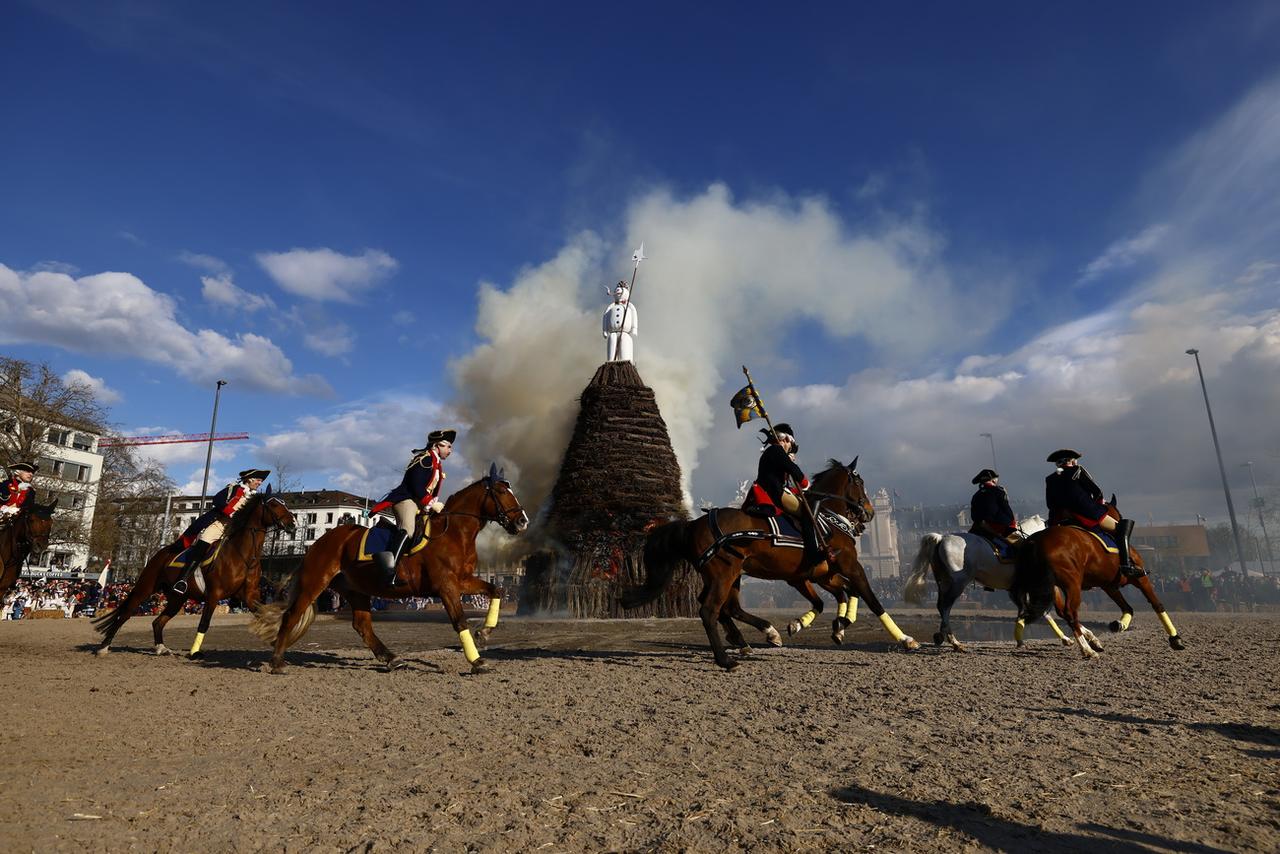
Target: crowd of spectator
[{"x": 76, "y": 598}]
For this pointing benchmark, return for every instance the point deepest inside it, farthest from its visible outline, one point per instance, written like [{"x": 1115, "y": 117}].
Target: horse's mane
[
  {"x": 833, "y": 463},
  {"x": 241, "y": 519}
]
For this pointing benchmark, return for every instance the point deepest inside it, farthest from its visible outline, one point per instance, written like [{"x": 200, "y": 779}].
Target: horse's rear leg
[
  {"x": 1143, "y": 583},
  {"x": 362, "y": 622},
  {"x": 172, "y": 605},
  {"x": 141, "y": 592},
  {"x": 308, "y": 589},
  {"x": 734, "y": 608},
  {"x": 717, "y": 586},
  {"x": 948, "y": 593},
  {"x": 857, "y": 585},
  {"x": 1070, "y": 609}
]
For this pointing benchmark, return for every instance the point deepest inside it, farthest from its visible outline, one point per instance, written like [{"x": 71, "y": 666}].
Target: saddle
[
  {"x": 1108, "y": 542},
  {"x": 180, "y": 560},
  {"x": 377, "y": 538},
  {"x": 781, "y": 531}
]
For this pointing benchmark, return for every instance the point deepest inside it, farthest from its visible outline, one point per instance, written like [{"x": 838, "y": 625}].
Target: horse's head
[
  {"x": 33, "y": 525},
  {"x": 275, "y": 514},
  {"x": 845, "y": 492},
  {"x": 500, "y": 503}
]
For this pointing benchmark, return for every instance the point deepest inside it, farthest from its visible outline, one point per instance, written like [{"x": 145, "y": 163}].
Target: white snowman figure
[{"x": 620, "y": 326}]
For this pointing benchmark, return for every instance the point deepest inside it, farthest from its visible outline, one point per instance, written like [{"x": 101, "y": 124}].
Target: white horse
[{"x": 958, "y": 559}]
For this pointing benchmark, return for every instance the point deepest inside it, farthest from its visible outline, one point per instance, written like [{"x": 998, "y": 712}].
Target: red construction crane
[{"x": 174, "y": 439}]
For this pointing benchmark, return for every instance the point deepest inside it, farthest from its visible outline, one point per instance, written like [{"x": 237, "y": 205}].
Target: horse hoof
[
  {"x": 909, "y": 644},
  {"x": 161, "y": 649},
  {"x": 101, "y": 651},
  {"x": 744, "y": 651},
  {"x": 794, "y": 627},
  {"x": 728, "y": 664},
  {"x": 771, "y": 635},
  {"x": 276, "y": 670},
  {"x": 1067, "y": 641},
  {"x": 837, "y": 638},
  {"x": 481, "y": 666},
  {"x": 393, "y": 664},
  {"x": 1116, "y": 627},
  {"x": 196, "y": 656},
  {"x": 1176, "y": 642},
  {"x": 938, "y": 638}
]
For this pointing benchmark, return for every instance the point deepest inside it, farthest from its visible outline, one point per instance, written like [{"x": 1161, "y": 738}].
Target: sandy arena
[{"x": 624, "y": 736}]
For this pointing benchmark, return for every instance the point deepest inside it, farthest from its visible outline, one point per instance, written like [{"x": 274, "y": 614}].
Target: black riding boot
[
  {"x": 1124, "y": 529},
  {"x": 386, "y": 561},
  {"x": 195, "y": 554}
]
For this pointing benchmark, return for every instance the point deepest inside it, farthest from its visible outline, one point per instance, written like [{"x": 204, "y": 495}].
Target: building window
[
  {"x": 311, "y": 518},
  {"x": 80, "y": 473},
  {"x": 59, "y": 437},
  {"x": 81, "y": 442},
  {"x": 328, "y": 517},
  {"x": 311, "y": 533}
]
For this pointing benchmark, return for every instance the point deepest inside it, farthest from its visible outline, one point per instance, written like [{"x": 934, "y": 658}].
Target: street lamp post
[
  {"x": 1213, "y": 430},
  {"x": 208, "y": 457},
  {"x": 1258, "y": 503},
  {"x": 992, "y": 440}
]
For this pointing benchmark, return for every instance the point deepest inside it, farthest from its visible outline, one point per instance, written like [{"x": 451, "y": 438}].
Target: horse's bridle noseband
[{"x": 501, "y": 516}]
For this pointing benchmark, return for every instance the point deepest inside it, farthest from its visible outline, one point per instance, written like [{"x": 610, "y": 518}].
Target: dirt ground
[{"x": 594, "y": 735}]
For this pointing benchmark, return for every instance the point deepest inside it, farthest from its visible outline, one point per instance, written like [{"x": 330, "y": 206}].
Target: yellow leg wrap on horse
[
  {"x": 807, "y": 618},
  {"x": 195, "y": 645},
  {"x": 1125, "y": 620},
  {"x": 1053, "y": 625},
  {"x": 843, "y": 609},
  {"x": 1168, "y": 624},
  {"x": 469, "y": 646},
  {"x": 891, "y": 627},
  {"x": 491, "y": 618},
  {"x": 1019, "y": 628},
  {"x": 852, "y": 615}
]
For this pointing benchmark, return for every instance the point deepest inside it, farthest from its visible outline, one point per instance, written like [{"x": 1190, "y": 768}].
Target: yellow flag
[{"x": 746, "y": 406}]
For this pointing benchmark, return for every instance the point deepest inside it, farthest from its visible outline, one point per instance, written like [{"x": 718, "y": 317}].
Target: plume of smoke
[{"x": 725, "y": 280}]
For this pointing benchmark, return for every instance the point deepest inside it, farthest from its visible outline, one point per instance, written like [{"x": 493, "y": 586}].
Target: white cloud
[
  {"x": 55, "y": 267},
  {"x": 726, "y": 281},
  {"x": 333, "y": 339},
  {"x": 209, "y": 263},
  {"x": 117, "y": 314},
  {"x": 1124, "y": 253},
  {"x": 363, "y": 446},
  {"x": 101, "y": 391},
  {"x": 221, "y": 291},
  {"x": 402, "y": 318},
  {"x": 322, "y": 274}
]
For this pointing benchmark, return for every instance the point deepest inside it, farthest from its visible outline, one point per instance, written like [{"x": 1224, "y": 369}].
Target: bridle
[
  {"x": 855, "y": 511},
  {"x": 506, "y": 518}
]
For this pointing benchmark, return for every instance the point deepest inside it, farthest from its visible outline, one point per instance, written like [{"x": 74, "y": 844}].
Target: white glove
[
  {"x": 23, "y": 487},
  {"x": 8, "y": 510},
  {"x": 435, "y": 507}
]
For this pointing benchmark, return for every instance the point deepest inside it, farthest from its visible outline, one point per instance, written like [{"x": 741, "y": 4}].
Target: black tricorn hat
[
  {"x": 252, "y": 473},
  {"x": 446, "y": 435},
  {"x": 984, "y": 475},
  {"x": 780, "y": 427},
  {"x": 31, "y": 467},
  {"x": 1061, "y": 455}
]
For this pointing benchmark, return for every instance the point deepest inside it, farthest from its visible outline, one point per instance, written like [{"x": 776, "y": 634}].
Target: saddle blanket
[
  {"x": 377, "y": 538},
  {"x": 1001, "y": 548},
  {"x": 781, "y": 531},
  {"x": 1108, "y": 541},
  {"x": 180, "y": 561}
]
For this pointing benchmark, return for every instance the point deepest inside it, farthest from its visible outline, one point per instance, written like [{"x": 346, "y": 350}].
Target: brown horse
[
  {"x": 744, "y": 545},
  {"x": 444, "y": 568},
  {"x": 1079, "y": 562},
  {"x": 26, "y": 534},
  {"x": 234, "y": 569}
]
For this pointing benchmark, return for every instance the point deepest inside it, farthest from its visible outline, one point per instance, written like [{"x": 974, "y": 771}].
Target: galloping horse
[
  {"x": 726, "y": 543},
  {"x": 444, "y": 568},
  {"x": 234, "y": 569},
  {"x": 829, "y": 488},
  {"x": 957, "y": 559},
  {"x": 26, "y": 534},
  {"x": 1079, "y": 561}
]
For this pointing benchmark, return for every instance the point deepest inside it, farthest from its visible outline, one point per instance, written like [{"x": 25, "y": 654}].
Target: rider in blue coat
[{"x": 1074, "y": 499}]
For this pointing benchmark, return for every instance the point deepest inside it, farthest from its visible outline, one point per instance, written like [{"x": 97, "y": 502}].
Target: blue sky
[{"x": 991, "y": 219}]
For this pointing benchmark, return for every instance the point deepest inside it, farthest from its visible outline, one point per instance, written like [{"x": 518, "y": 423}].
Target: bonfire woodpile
[{"x": 619, "y": 478}]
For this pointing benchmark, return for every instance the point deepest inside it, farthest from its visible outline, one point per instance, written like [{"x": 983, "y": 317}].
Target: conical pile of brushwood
[{"x": 619, "y": 479}]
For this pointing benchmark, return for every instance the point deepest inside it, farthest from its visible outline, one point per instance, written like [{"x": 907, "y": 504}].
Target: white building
[
  {"x": 878, "y": 548},
  {"x": 315, "y": 511},
  {"x": 70, "y": 467}
]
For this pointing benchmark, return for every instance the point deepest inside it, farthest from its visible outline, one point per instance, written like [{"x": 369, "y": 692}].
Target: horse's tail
[
  {"x": 1033, "y": 580},
  {"x": 267, "y": 619},
  {"x": 917, "y": 582},
  {"x": 107, "y": 623},
  {"x": 665, "y": 549}
]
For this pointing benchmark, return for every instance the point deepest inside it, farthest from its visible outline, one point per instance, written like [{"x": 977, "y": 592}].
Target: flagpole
[{"x": 637, "y": 257}]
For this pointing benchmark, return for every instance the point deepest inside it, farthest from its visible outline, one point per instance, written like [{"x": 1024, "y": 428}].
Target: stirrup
[
  {"x": 1132, "y": 571},
  {"x": 180, "y": 587}
]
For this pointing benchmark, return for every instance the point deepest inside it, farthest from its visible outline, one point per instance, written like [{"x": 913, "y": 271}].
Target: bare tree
[
  {"x": 128, "y": 522},
  {"x": 38, "y": 411}
]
